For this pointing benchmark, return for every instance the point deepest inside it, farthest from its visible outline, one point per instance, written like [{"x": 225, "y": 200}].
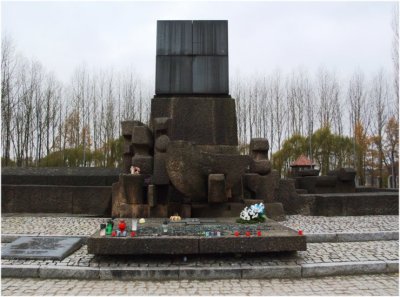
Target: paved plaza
[
  {"x": 366, "y": 266},
  {"x": 377, "y": 285}
]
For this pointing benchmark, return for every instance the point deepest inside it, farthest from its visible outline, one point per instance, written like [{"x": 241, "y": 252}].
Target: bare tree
[
  {"x": 379, "y": 100},
  {"x": 395, "y": 57},
  {"x": 8, "y": 65}
]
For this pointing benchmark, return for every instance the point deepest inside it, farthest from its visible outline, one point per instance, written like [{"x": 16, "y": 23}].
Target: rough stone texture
[
  {"x": 275, "y": 211},
  {"x": 188, "y": 169},
  {"x": 152, "y": 195},
  {"x": 41, "y": 248},
  {"x": 292, "y": 202},
  {"x": 184, "y": 239},
  {"x": 329, "y": 269},
  {"x": 252, "y": 272},
  {"x": 259, "y": 148},
  {"x": 216, "y": 188},
  {"x": 20, "y": 271},
  {"x": 208, "y": 120},
  {"x": 142, "y": 245},
  {"x": 268, "y": 243},
  {"x": 91, "y": 200},
  {"x": 383, "y": 203},
  {"x": 134, "y": 210},
  {"x": 160, "y": 175},
  {"x": 162, "y": 143},
  {"x": 145, "y": 163},
  {"x": 127, "y": 127},
  {"x": 56, "y": 199},
  {"x": 59, "y": 176},
  {"x": 262, "y": 167},
  {"x": 132, "y": 187},
  {"x": 142, "y": 135},
  {"x": 69, "y": 272}
]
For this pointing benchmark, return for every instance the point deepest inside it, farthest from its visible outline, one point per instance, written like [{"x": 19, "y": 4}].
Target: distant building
[{"x": 303, "y": 166}]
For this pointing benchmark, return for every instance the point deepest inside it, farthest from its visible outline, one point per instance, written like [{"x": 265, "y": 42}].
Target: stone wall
[{"x": 80, "y": 191}]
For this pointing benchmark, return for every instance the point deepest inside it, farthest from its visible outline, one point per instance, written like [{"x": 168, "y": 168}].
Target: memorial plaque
[
  {"x": 192, "y": 58},
  {"x": 210, "y": 75},
  {"x": 174, "y": 75},
  {"x": 174, "y": 37},
  {"x": 210, "y": 38},
  {"x": 41, "y": 248}
]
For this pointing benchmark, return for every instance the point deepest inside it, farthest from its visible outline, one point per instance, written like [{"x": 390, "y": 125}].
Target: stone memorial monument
[{"x": 188, "y": 155}]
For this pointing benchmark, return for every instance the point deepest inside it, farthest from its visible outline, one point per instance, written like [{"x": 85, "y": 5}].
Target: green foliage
[
  {"x": 110, "y": 155},
  {"x": 329, "y": 151}
]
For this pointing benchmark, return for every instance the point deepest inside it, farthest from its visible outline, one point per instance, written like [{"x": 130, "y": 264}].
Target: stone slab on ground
[
  {"x": 56, "y": 248},
  {"x": 190, "y": 239}
]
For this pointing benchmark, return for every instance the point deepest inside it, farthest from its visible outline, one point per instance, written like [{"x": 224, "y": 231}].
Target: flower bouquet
[{"x": 253, "y": 214}]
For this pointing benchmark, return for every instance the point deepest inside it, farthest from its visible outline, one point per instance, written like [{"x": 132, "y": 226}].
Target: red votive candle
[
  {"x": 114, "y": 233},
  {"x": 133, "y": 234},
  {"x": 300, "y": 232},
  {"x": 258, "y": 233},
  {"x": 236, "y": 233},
  {"x": 248, "y": 233}
]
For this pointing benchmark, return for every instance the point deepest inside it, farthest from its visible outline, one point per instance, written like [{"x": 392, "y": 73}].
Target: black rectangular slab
[
  {"x": 41, "y": 248},
  {"x": 188, "y": 239}
]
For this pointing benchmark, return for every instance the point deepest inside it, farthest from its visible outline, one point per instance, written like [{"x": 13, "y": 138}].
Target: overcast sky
[{"x": 263, "y": 36}]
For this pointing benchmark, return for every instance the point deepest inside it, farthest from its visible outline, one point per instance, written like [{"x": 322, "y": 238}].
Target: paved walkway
[
  {"x": 382, "y": 285},
  {"x": 79, "y": 226}
]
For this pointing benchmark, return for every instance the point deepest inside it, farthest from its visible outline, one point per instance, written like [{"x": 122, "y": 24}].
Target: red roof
[{"x": 302, "y": 161}]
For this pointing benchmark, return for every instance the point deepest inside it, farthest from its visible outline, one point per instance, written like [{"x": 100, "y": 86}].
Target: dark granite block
[
  {"x": 288, "y": 241},
  {"x": 45, "y": 199},
  {"x": 132, "y": 187},
  {"x": 141, "y": 135},
  {"x": 91, "y": 200},
  {"x": 216, "y": 188},
  {"x": 52, "y": 248},
  {"x": 142, "y": 245},
  {"x": 151, "y": 195},
  {"x": 208, "y": 121},
  {"x": 174, "y": 75},
  {"x": 210, "y": 75},
  {"x": 7, "y": 197},
  {"x": 127, "y": 128},
  {"x": 174, "y": 37},
  {"x": 160, "y": 175},
  {"x": 210, "y": 37},
  {"x": 261, "y": 167},
  {"x": 145, "y": 163},
  {"x": 161, "y": 124}
]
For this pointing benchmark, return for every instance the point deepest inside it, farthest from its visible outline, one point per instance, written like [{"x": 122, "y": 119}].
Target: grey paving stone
[
  {"x": 209, "y": 273},
  {"x": 392, "y": 266},
  {"x": 343, "y": 268},
  {"x": 69, "y": 272},
  {"x": 19, "y": 271},
  {"x": 288, "y": 271},
  {"x": 321, "y": 237},
  {"x": 367, "y": 236},
  {"x": 139, "y": 273}
]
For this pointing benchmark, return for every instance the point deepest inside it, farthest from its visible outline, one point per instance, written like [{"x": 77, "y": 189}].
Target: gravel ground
[{"x": 378, "y": 285}]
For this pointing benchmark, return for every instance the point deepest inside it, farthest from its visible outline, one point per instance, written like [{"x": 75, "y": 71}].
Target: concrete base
[{"x": 188, "y": 239}]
